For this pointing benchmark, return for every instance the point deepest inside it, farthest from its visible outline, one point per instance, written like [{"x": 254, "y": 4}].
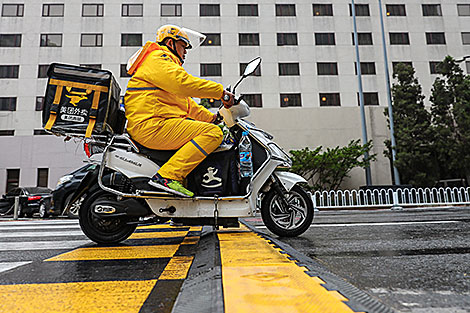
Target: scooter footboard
[{"x": 191, "y": 208}]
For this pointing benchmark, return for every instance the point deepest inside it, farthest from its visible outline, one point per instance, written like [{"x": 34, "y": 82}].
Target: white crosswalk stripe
[{"x": 22, "y": 242}]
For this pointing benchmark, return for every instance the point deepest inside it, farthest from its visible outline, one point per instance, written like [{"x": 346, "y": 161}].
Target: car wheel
[
  {"x": 72, "y": 212},
  {"x": 20, "y": 211},
  {"x": 43, "y": 211}
]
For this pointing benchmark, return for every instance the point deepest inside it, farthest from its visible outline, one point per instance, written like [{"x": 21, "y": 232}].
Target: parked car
[
  {"x": 31, "y": 200},
  {"x": 66, "y": 186}
]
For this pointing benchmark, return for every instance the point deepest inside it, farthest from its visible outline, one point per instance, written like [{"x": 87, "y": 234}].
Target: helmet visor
[{"x": 193, "y": 38}]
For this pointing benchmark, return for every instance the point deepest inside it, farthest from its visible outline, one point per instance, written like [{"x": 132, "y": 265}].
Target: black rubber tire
[
  {"x": 104, "y": 231},
  {"x": 267, "y": 207},
  {"x": 20, "y": 211}
]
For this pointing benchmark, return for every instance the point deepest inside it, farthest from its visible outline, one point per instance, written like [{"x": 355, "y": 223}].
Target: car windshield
[{"x": 37, "y": 190}]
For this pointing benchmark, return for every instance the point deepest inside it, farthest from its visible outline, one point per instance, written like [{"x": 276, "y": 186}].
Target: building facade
[{"x": 305, "y": 94}]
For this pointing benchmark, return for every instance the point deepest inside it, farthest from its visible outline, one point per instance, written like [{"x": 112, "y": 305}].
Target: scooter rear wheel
[
  {"x": 291, "y": 221},
  {"x": 103, "y": 230}
]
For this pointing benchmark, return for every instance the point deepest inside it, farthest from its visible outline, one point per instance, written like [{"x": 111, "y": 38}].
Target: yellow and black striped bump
[{"x": 146, "y": 272}]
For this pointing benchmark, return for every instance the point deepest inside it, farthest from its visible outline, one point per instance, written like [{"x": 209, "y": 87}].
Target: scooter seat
[{"x": 158, "y": 156}]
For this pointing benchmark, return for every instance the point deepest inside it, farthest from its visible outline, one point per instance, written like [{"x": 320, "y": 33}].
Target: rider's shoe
[{"x": 170, "y": 185}]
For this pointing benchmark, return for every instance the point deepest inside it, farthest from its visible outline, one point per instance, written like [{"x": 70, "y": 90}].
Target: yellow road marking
[
  {"x": 158, "y": 234},
  {"x": 109, "y": 296},
  {"x": 258, "y": 278},
  {"x": 111, "y": 253},
  {"x": 177, "y": 268},
  {"x": 190, "y": 240}
]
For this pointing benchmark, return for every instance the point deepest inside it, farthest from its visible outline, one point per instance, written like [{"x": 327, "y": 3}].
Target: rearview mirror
[{"x": 252, "y": 66}]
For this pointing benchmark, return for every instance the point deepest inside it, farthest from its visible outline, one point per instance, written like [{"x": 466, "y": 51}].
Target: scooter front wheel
[
  {"x": 289, "y": 221},
  {"x": 103, "y": 230}
]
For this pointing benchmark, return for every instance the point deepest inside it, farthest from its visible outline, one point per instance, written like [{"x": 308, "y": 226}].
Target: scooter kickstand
[{"x": 216, "y": 212}]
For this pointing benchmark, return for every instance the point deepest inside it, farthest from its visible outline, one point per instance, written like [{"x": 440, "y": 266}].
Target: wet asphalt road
[{"x": 414, "y": 260}]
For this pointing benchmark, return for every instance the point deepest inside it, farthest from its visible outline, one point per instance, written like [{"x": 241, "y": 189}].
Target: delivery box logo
[{"x": 76, "y": 96}]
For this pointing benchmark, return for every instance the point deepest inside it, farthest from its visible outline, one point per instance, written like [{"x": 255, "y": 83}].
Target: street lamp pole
[
  {"x": 361, "y": 93},
  {"x": 389, "y": 97}
]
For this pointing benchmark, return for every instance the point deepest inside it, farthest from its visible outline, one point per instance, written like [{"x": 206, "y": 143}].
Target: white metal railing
[{"x": 389, "y": 198}]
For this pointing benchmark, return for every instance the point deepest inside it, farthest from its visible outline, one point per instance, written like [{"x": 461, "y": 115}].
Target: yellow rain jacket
[
  {"x": 160, "y": 88},
  {"x": 161, "y": 114}
]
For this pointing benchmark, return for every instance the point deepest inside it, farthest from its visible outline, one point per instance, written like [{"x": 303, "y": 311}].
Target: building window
[
  {"x": 124, "y": 71},
  {"x": 10, "y": 40},
  {"x": 396, "y": 10},
  {"x": 399, "y": 39},
  {"x": 361, "y": 10},
  {"x": 363, "y": 39},
  {"x": 211, "y": 69},
  {"x": 13, "y": 178},
  {"x": 248, "y": 39},
  {"x": 91, "y": 40},
  {"x": 320, "y": 9},
  {"x": 9, "y": 71},
  {"x": 93, "y": 66},
  {"x": 170, "y": 9},
  {"x": 289, "y": 69},
  {"x": 53, "y": 10},
  {"x": 431, "y": 9},
  {"x": 325, "y": 39},
  {"x": 247, "y": 10},
  {"x": 406, "y": 63},
  {"x": 254, "y": 100},
  {"x": 7, "y": 103},
  {"x": 285, "y": 9},
  {"x": 131, "y": 40},
  {"x": 212, "y": 40},
  {"x": 290, "y": 100},
  {"x": 12, "y": 10},
  {"x": 243, "y": 67},
  {"x": 42, "y": 70},
  {"x": 51, "y": 40},
  {"x": 7, "y": 132},
  {"x": 327, "y": 68},
  {"x": 466, "y": 38},
  {"x": 367, "y": 68},
  {"x": 370, "y": 98},
  {"x": 287, "y": 39},
  {"x": 209, "y": 10},
  {"x": 40, "y": 132},
  {"x": 463, "y": 9},
  {"x": 39, "y": 103},
  {"x": 330, "y": 100},
  {"x": 433, "y": 67},
  {"x": 467, "y": 63},
  {"x": 435, "y": 38},
  {"x": 92, "y": 10},
  {"x": 132, "y": 10},
  {"x": 43, "y": 177}
]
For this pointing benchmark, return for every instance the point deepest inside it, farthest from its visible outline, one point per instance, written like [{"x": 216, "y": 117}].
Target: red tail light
[
  {"x": 86, "y": 147},
  {"x": 32, "y": 198}
]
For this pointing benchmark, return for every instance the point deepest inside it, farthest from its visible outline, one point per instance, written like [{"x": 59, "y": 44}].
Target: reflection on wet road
[{"x": 411, "y": 260}]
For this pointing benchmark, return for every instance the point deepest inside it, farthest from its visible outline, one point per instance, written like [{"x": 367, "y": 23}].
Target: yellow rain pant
[{"x": 193, "y": 139}]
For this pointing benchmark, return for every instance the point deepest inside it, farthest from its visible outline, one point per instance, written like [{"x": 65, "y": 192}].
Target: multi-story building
[{"x": 305, "y": 92}]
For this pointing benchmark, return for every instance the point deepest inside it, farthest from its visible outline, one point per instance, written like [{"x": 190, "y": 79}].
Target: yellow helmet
[{"x": 172, "y": 31}]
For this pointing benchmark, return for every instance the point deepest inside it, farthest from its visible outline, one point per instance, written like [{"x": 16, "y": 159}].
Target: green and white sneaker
[{"x": 170, "y": 185}]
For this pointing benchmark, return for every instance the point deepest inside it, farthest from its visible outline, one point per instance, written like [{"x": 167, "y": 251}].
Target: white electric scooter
[{"x": 117, "y": 196}]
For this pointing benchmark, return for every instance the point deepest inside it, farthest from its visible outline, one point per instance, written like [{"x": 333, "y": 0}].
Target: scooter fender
[
  {"x": 90, "y": 179},
  {"x": 289, "y": 179}
]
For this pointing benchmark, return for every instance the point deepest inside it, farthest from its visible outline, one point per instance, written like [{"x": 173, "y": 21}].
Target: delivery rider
[{"x": 161, "y": 113}]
